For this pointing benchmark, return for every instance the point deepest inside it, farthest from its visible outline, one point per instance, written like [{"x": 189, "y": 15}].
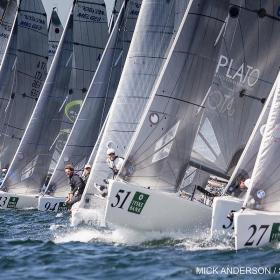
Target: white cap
[
  {"x": 247, "y": 182},
  {"x": 87, "y": 166},
  {"x": 4, "y": 169},
  {"x": 110, "y": 151}
]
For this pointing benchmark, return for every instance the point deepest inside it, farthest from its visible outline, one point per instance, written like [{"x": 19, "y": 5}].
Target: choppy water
[{"x": 35, "y": 245}]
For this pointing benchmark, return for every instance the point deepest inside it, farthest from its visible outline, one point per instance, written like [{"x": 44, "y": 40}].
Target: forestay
[
  {"x": 55, "y": 32},
  {"x": 160, "y": 150},
  {"x": 72, "y": 69},
  {"x": 247, "y": 66},
  {"x": 98, "y": 100},
  {"x": 8, "y": 13},
  {"x": 264, "y": 190},
  {"x": 23, "y": 74}
]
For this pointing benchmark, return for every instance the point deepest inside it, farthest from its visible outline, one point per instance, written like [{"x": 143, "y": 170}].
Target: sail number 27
[{"x": 262, "y": 230}]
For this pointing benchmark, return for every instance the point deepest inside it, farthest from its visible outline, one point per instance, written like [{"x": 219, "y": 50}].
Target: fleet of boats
[{"x": 187, "y": 92}]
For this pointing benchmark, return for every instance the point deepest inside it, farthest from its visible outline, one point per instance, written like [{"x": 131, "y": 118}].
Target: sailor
[
  {"x": 114, "y": 162},
  {"x": 86, "y": 173},
  {"x": 239, "y": 188},
  {"x": 3, "y": 174},
  {"x": 76, "y": 183}
]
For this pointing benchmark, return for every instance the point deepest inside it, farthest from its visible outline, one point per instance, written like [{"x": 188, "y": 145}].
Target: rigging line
[
  {"x": 88, "y": 46},
  {"x": 32, "y": 53},
  {"x": 91, "y": 3},
  {"x": 178, "y": 99},
  {"x": 9, "y": 125},
  {"x": 32, "y": 12}
]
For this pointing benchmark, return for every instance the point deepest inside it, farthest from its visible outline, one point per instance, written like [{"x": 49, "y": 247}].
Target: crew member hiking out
[{"x": 77, "y": 185}]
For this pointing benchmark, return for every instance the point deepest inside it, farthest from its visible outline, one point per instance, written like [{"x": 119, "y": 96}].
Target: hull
[
  {"x": 16, "y": 201},
  {"x": 222, "y": 223},
  {"x": 144, "y": 209},
  {"x": 256, "y": 228},
  {"x": 53, "y": 204}
]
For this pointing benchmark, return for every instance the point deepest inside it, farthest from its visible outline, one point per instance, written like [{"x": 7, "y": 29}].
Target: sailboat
[
  {"x": 96, "y": 104},
  {"x": 145, "y": 196},
  {"x": 225, "y": 206},
  {"x": 55, "y": 32},
  {"x": 22, "y": 76},
  {"x": 8, "y": 13},
  {"x": 73, "y": 67},
  {"x": 153, "y": 35},
  {"x": 232, "y": 118},
  {"x": 257, "y": 224}
]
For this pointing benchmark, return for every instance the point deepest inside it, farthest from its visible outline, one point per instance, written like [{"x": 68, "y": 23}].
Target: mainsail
[
  {"x": 8, "y": 12},
  {"x": 264, "y": 190},
  {"x": 55, "y": 32},
  {"x": 73, "y": 67},
  {"x": 148, "y": 50},
  {"x": 246, "y": 69},
  {"x": 26, "y": 66},
  {"x": 160, "y": 151},
  {"x": 98, "y": 100}
]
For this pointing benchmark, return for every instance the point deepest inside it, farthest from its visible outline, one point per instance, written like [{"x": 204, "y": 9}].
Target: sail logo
[
  {"x": 138, "y": 202},
  {"x": 245, "y": 74},
  {"x": 275, "y": 232},
  {"x": 12, "y": 202}
]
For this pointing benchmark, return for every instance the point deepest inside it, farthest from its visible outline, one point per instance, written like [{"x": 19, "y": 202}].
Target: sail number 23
[{"x": 121, "y": 198}]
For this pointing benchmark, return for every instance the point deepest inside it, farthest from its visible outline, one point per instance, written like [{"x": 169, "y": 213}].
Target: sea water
[{"x": 40, "y": 245}]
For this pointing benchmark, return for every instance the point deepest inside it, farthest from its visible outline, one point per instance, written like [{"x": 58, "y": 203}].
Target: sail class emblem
[{"x": 154, "y": 118}]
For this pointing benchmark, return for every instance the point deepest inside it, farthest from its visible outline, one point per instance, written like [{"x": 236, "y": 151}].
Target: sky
[{"x": 63, "y": 7}]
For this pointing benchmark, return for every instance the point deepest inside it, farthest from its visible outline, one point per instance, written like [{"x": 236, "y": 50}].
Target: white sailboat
[
  {"x": 147, "y": 198},
  {"x": 154, "y": 31},
  {"x": 96, "y": 104},
  {"x": 72, "y": 69},
  {"x": 257, "y": 224},
  {"x": 8, "y": 13}
]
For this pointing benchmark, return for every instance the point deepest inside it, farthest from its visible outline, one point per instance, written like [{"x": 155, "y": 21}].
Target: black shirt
[{"x": 77, "y": 184}]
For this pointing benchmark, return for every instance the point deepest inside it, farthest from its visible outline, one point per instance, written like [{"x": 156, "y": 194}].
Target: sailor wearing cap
[
  {"x": 86, "y": 173},
  {"x": 114, "y": 162}
]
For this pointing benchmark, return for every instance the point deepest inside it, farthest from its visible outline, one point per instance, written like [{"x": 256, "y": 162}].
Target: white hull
[
  {"x": 53, "y": 204},
  {"x": 221, "y": 222},
  {"x": 144, "y": 209},
  {"x": 256, "y": 228},
  {"x": 17, "y": 201}
]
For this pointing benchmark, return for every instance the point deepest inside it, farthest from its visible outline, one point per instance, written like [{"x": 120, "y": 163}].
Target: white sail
[
  {"x": 161, "y": 148},
  {"x": 8, "y": 12},
  {"x": 247, "y": 67},
  {"x": 77, "y": 57},
  {"x": 97, "y": 102},
  {"x": 264, "y": 191},
  {"x": 147, "y": 53},
  {"x": 26, "y": 60},
  {"x": 55, "y": 32}
]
